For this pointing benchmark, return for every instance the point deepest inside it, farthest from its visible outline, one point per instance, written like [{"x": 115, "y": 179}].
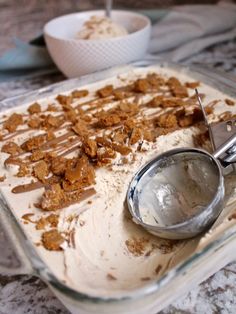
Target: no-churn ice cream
[
  {"x": 66, "y": 163},
  {"x": 99, "y": 27}
]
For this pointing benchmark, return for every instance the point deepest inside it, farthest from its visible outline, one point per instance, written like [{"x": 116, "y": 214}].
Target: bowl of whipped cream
[{"x": 86, "y": 42}]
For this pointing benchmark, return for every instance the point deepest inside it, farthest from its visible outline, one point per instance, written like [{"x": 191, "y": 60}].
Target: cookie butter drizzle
[{"x": 74, "y": 139}]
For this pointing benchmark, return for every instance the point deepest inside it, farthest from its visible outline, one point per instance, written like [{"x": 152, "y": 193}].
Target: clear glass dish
[{"x": 152, "y": 297}]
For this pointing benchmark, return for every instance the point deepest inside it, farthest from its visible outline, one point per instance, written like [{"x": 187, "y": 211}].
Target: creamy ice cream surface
[
  {"x": 66, "y": 163},
  {"x": 101, "y": 27}
]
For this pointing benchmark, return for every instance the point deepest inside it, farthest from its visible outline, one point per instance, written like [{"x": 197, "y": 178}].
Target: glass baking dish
[{"x": 207, "y": 257}]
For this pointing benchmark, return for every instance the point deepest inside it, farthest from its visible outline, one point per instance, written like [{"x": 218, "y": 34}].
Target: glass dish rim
[{"x": 42, "y": 270}]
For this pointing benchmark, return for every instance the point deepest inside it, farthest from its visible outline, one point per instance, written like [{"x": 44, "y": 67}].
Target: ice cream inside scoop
[{"x": 99, "y": 27}]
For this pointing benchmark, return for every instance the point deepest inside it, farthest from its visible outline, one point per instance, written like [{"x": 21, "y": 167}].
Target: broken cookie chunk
[{"x": 52, "y": 240}]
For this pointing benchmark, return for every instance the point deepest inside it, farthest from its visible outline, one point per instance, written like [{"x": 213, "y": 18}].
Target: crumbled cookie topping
[
  {"x": 51, "y": 220},
  {"x": 34, "y": 143},
  {"x": 23, "y": 171},
  {"x": 12, "y": 123},
  {"x": 167, "y": 120},
  {"x": 52, "y": 240},
  {"x": 79, "y": 93},
  {"x": 37, "y": 155},
  {"x": 34, "y": 108},
  {"x": 41, "y": 170},
  {"x": 141, "y": 86},
  {"x": 177, "y": 89},
  {"x": 52, "y": 198},
  {"x": 136, "y": 246},
  {"x": 2, "y": 178},
  {"x": 11, "y": 148},
  {"x": 105, "y": 91}
]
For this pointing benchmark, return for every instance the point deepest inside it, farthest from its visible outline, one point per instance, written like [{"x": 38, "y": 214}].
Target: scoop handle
[{"x": 224, "y": 148}]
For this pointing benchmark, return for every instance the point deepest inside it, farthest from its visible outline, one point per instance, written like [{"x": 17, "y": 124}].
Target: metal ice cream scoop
[{"x": 180, "y": 193}]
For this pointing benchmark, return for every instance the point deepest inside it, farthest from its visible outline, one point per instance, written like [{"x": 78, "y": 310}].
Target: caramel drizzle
[
  {"x": 213, "y": 103},
  {"x": 69, "y": 151},
  {"x": 34, "y": 185},
  {"x": 37, "y": 185},
  {"x": 62, "y": 147},
  {"x": 28, "y": 187},
  {"x": 15, "y": 134}
]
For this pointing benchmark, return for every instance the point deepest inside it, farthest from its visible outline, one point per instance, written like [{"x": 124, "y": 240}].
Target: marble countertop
[{"x": 27, "y": 294}]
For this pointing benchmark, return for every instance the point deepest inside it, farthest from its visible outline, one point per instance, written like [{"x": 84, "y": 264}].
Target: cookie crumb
[
  {"x": 34, "y": 108},
  {"x": 136, "y": 246},
  {"x": 158, "y": 269},
  {"x": 52, "y": 240},
  {"x": 2, "y": 178},
  {"x": 111, "y": 277},
  {"x": 229, "y": 102}
]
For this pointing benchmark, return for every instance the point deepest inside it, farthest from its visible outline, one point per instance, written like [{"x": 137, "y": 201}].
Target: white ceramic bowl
[{"x": 75, "y": 57}]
